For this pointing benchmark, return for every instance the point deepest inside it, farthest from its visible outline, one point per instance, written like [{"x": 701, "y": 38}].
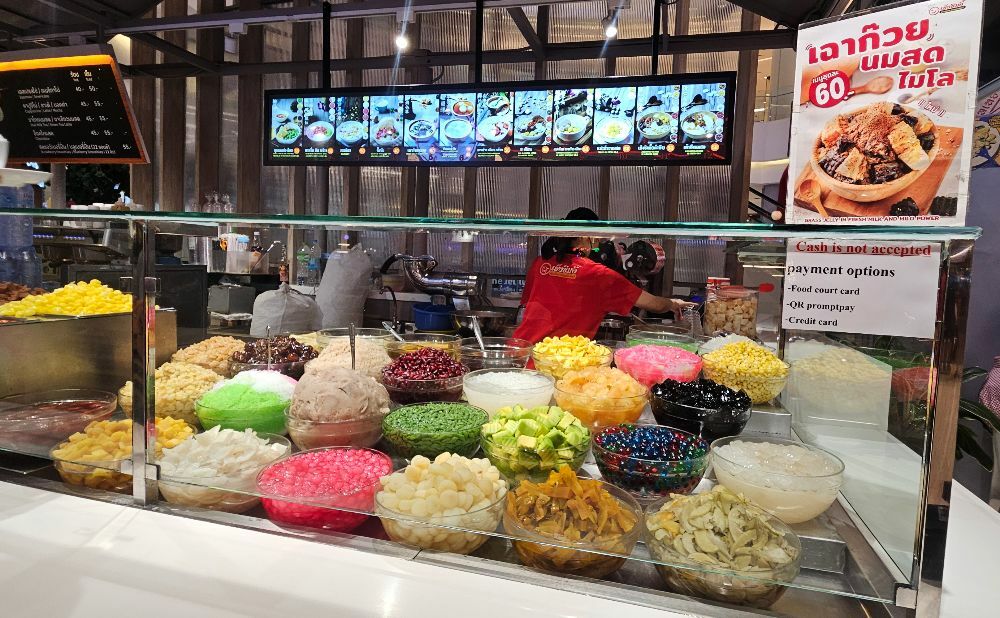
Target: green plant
[{"x": 968, "y": 409}]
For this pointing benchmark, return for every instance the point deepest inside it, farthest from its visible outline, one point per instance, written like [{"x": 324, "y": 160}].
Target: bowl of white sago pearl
[
  {"x": 449, "y": 504},
  {"x": 492, "y": 389},
  {"x": 794, "y": 481}
]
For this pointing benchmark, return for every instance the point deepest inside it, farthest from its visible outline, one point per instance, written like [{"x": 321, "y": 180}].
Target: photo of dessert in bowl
[{"x": 874, "y": 152}]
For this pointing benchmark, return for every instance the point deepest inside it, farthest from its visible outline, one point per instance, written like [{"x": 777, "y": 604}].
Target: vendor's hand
[{"x": 678, "y": 306}]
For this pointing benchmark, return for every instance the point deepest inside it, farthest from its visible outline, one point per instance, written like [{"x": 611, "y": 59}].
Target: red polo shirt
[{"x": 571, "y": 298}]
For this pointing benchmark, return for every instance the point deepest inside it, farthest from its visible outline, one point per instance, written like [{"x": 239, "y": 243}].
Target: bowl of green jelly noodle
[
  {"x": 240, "y": 407},
  {"x": 663, "y": 335},
  {"x": 430, "y": 429}
]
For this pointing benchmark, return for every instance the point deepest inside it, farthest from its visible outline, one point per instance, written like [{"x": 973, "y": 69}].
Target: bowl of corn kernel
[
  {"x": 178, "y": 386},
  {"x": 79, "y": 298},
  {"x": 749, "y": 367},
  {"x": 555, "y": 356},
  {"x": 94, "y": 457}
]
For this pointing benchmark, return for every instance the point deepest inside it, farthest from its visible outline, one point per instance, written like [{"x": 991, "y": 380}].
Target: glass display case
[{"x": 704, "y": 514}]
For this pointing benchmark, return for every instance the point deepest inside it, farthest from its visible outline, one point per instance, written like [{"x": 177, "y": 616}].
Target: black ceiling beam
[
  {"x": 72, "y": 8},
  {"x": 151, "y": 40},
  {"x": 681, "y": 44},
  {"x": 368, "y": 8},
  {"x": 528, "y": 32},
  {"x": 179, "y": 53}
]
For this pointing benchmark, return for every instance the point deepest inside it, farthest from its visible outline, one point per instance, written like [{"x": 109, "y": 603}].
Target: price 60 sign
[{"x": 830, "y": 88}]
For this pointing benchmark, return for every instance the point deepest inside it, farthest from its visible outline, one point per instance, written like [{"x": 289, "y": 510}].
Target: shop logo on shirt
[{"x": 559, "y": 270}]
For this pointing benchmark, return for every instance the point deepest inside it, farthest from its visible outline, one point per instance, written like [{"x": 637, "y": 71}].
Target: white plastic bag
[
  {"x": 285, "y": 311},
  {"x": 344, "y": 289}
]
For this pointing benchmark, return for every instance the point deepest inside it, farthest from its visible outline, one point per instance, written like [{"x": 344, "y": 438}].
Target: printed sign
[
  {"x": 852, "y": 286},
  {"x": 986, "y": 134},
  {"x": 68, "y": 109},
  {"x": 882, "y": 117}
]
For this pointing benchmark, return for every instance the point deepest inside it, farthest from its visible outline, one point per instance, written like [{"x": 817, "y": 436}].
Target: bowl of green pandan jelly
[
  {"x": 249, "y": 400},
  {"x": 430, "y": 429}
]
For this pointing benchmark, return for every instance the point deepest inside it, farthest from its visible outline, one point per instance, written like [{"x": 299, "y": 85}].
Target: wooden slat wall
[
  {"x": 143, "y": 93},
  {"x": 249, "y": 137},
  {"x": 173, "y": 101},
  {"x": 208, "y": 130}
]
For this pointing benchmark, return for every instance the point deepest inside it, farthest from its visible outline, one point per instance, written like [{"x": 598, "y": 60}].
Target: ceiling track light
[
  {"x": 609, "y": 25},
  {"x": 403, "y": 19}
]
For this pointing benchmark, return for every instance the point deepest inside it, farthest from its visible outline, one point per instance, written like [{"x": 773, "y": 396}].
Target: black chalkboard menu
[
  {"x": 662, "y": 120},
  {"x": 68, "y": 109}
]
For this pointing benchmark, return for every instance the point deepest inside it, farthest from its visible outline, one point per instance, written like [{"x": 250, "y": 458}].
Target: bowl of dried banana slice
[{"x": 720, "y": 546}]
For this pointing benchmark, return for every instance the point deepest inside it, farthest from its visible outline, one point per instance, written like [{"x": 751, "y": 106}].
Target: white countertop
[{"x": 63, "y": 556}]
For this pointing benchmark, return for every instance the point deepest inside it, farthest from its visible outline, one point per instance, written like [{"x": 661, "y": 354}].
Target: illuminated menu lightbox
[{"x": 669, "y": 119}]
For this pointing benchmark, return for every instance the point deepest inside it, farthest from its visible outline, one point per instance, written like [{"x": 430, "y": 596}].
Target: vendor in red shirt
[{"x": 565, "y": 293}]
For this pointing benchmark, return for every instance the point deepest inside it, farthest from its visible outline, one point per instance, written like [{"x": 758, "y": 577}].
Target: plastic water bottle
[
  {"x": 8, "y": 266},
  {"x": 302, "y": 264},
  {"x": 312, "y": 277},
  {"x": 30, "y": 268}
]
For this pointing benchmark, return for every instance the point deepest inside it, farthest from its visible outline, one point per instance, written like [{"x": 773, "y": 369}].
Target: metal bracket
[
  {"x": 906, "y": 597},
  {"x": 151, "y": 285}
]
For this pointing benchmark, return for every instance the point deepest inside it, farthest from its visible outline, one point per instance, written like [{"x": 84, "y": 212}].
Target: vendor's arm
[{"x": 659, "y": 304}]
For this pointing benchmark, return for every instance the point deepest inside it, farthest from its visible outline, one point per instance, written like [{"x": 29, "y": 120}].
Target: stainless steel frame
[{"x": 922, "y": 599}]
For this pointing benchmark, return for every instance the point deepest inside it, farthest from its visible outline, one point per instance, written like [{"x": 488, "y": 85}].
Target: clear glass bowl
[
  {"x": 404, "y": 392},
  {"x": 649, "y": 479},
  {"x": 650, "y": 365},
  {"x": 575, "y": 558},
  {"x": 708, "y": 423},
  {"x": 309, "y": 434},
  {"x": 675, "y": 336},
  {"x": 292, "y": 370},
  {"x": 263, "y": 419},
  {"x": 499, "y": 352},
  {"x": 34, "y": 422},
  {"x": 414, "y": 341},
  {"x": 760, "y": 389},
  {"x": 211, "y": 492},
  {"x": 320, "y": 511},
  {"x": 758, "y": 589},
  {"x": 491, "y": 397},
  {"x": 557, "y": 368},
  {"x": 598, "y": 412},
  {"x": 106, "y": 475},
  {"x": 792, "y": 498},
  {"x": 408, "y": 529},
  {"x": 324, "y": 336},
  {"x": 517, "y": 463},
  {"x": 459, "y": 439}
]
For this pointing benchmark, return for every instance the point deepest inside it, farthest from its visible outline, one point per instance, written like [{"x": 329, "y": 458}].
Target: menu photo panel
[
  {"x": 614, "y": 120},
  {"x": 661, "y": 120},
  {"x": 532, "y": 124},
  {"x": 386, "y": 121},
  {"x": 318, "y": 128},
  {"x": 286, "y": 128},
  {"x": 456, "y": 126},
  {"x": 494, "y": 125},
  {"x": 351, "y": 130},
  {"x": 702, "y": 119}
]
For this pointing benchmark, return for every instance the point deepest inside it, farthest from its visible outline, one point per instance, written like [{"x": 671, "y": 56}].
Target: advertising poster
[
  {"x": 882, "y": 121},
  {"x": 986, "y": 134}
]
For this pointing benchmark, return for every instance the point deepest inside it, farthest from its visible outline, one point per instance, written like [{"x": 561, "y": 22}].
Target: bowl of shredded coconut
[{"x": 218, "y": 469}]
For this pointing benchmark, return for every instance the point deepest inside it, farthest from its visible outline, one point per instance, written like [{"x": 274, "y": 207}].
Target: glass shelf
[{"x": 531, "y": 226}]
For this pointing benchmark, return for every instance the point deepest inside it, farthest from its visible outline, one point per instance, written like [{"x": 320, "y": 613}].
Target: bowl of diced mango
[
  {"x": 555, "y": 356},
  {"x": 98, "y": 457}
]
